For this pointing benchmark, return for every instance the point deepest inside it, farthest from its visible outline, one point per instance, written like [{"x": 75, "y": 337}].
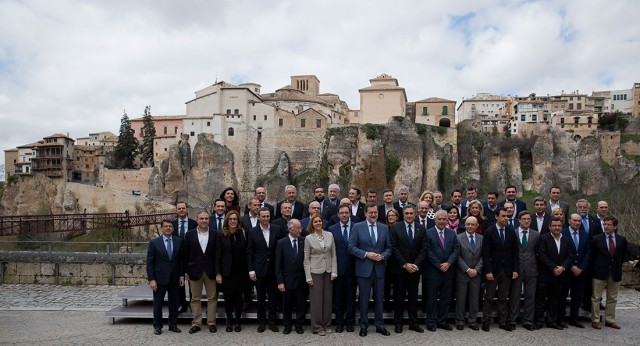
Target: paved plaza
[{"x": 64, "y": 315}]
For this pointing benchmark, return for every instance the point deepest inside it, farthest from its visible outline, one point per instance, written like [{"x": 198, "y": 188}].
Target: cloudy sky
[{"x": 75, "y": 66}]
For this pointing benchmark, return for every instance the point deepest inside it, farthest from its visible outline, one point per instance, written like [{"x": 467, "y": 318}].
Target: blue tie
[
  {"x": 373, "y": 235},
  {"x": 585, "y": 224},
  {"x": 169, "y": 247},
  {"x": 575, "y": 239},
  {"x": 472, "y": 243},
  {"x": 345, "y": 235},
  {"x": 410, "y": 236}
]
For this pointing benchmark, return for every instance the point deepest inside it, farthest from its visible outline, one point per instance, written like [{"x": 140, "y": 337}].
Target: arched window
[
  {"x": 445, "y": 110},
  {"x": 444, "y": 122},
  {"x": 230, "y": 132}
]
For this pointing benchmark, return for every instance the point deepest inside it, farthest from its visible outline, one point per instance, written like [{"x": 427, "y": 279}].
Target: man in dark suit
[
  {"x": 408, "y": 254},
  {"x": 471, "y": 194},
  {"x": 511, "y": 193},
  {"x": 297, "y": 207},
  {"x": 181, "y": 225},
  {"x": 403, "y": 200},
  {"x": 285, "y": 216},
  {"x": 290, "y": 276},
  {"x": 597, "y": 223},
  {"x": 345, "y": 283},
  {"x": 326, "y": 208},
  {"x": 468, "y": 277},
  {"x": 383, "y": 209},
  {"x": 555, "y": 203},
  {"x": 261, "y": 195},
  {"x": 261, "y": 251},
  {"x": 492, "y": 206},
  {"x": 371, "y": 245},
  {"x": 250, "y": 220},
  {"x": 540, "y": 219},
  {"x": 589, "y": 224},
  {"x": 357, "y": 207},
  {"x": 576, "y": 278},
  {"x": 334, "y": 196},
  {"x": 554, "y": 261},
  {"x": 443, "y": 250},
  {"x": 199, "y": 249},
  {"x": 216, "y": 220},
  {"x": 512, "y": 218},
  {"x": 500, "y": 258},
  {"x": 609, "y": 252},
  {"x": 314, "y": 208},
  {"x": 335, "y": 219},
  {"x": 165, "y": 275},
  {"x": 456, "y": 200},
  {"x": 528, "y": 239},
  {"x": 423, "y": 219}
]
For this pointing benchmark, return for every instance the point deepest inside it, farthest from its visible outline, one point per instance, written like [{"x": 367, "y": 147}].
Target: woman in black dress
[{"x": 231, "y": 267}]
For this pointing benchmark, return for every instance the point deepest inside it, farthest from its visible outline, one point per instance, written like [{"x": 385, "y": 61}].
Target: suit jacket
[
  {"x": 595, "y": 227},
  {"x": 165, "y": 270},
  {"x": 360, "y": 243},
  {"x": 382, "y": 213},
  {"x": 224, "y": 258},
  {"x": 318, "y": 259},
  {"x": 282, "y": 223},
  {"x": 437, "y": 254},
  {"x": 298, "y": 210},
  {"x": 550, "y": 258},
  {"x": 266, "y": 205},
  {"x": 344, "y": 260},
  {"x": 528, "y": 256},
  {"x": 195, "y": 261},
  {"x": 213, "y": 222},
  {"x": 191, "y": 223},
  {"x": 359, "y": 213},
  {"x": 564, "y": 206},
  {"x": 545, "y": 223},
  {"x": 245, "y": 221},
  {"x": 520, "y": 205},
  {"x": 401, "y": 251},
  {"x": 497, "y": 256},
  {"x": 398, "y": 208},
  {"x": 289, "y": 267},
  {"x": 261, "y": 257},
  {"x": 582, "y": 255},
  {"x": 603, "y": 263},
  {"x": 336, "y": 219},
  {"x": 328, "y": 209},
  {"x": 469, "y": 259}
]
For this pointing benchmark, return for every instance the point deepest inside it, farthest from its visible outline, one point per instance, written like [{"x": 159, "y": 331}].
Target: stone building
[
  {"x": 435, "y": 111},
  {"x": 381, "y": 101},
  {"x": 91, "y": 153},
  {"x": 169, "y": 128},
  {"x": 481, "y": 106},
  {"x": 531, "y": 115},
  {"x": 54, "y": 157}
]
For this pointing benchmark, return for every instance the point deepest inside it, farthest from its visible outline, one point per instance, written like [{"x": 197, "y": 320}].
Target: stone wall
[
  {"x": 125, "y": 180},
  {"x": 72, "y": 268}
]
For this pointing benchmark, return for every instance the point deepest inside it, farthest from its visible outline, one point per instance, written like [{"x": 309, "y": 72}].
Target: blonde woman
[{"x": 320, "y": 268}]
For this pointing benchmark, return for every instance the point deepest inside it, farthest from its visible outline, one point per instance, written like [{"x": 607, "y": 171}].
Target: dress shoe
[
  {"x": 157, "y": 331},
  {"x": 273, "y": 327},
  {"x": 299, "y": 330},
  {"x": 505, "y": 327},
  {"x": 431, "y": 328},
  {"x": 175, "y": 329},
  {"x": 595, "y": 325},
  {"x": 237, "y": 329},
  {"x": 485, "y": 326},
  {"x": 194, "y": 329},
  {"x": 229, "y": 328},
  {"x": 416, "y": 328},
  {"x": 528, "y": 327},
  {"x": 350, "y": 329},
  {"x": 339, "y": 329},
  {"x": 383, "y": 331},
  {"x": 554, "y": 326},
  {"x": 445, "y": 326},
  {"x": 562, "y": 324},
  {"x": 538, "y": 326},
  {"x": 261, "y": 328},
  {"x": 213, "y": 328},
  {"x": 459, "y": 326},
  {"x": 474, "y": 326},
  {"x": 613, "y": 325},
  {"x": 363, "y": 332},
  {"x": 287, "y": 330},
  {"x": 576, "y": 324},
  {"x": 512, "y": 326},
  {"x": 398, "y": 329}
]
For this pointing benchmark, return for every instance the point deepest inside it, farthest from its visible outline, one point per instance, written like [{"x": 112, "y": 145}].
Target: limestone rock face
[
  {"x": 211, "y": 171},
  {"x": 625, "y": 169},
  {"x": 542, "y": 159},
  {"x": 340, "y": 157},
  {"x": 277, "y": 178},
  {"x": 69, "y": 202},
  {"x": 404, "y": 145},
  {"x": 34, "y": 195}
]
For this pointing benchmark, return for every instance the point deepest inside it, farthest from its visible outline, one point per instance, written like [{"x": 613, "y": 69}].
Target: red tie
[{"x": 612, "y": 246}]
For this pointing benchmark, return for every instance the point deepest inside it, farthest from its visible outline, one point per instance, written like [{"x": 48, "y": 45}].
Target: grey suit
[
  {"x": 527, "y": 274},
  {"x": 465, "y": 285}
]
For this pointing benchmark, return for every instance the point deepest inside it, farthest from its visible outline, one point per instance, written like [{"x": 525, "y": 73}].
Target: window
[
  {"x": 236, "y": 111},
  {"x": 425, "y": 111},
  {"x": 318, "y": 123},
  {"x": 570, "y": 105},
  {"x": 165, "y": 130},
  {"x": 228, "y": 111},
  {"x": 280, "y": 122},
  {"x": 579, "y": 105},
  {"x": 589, "y": 121},
  {"x": 192, "y": 134},
  {"x": 254, "y": 117},
  {"x": 208, "y": 123},
  {"x": 265, "y": 117},
  {"x": 522, "y": 117},
  {"x": 534, "y": 117},
  {"x": 445, "y": 110},
  {"x": 302, "y": 122},
  {"x": 175, "y": 130},
  {"x": 230, "y": 132}
]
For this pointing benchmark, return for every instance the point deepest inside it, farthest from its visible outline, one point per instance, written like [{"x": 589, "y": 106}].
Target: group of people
[{"x": 331, "y": 249}]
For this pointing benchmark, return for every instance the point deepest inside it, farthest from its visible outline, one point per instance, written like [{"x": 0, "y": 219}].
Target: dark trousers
[
  {"x": 500, "y": 285},
  {"x": 266, "y": 286},
  {"x": 389, "y": 287},
  {"x": 548, "y": 297},
  {"x": 174, "y": 304},
  {"x": 406, "y": 286},
  {"x": 345, "y": 299},
  {"x": 294, "y": 298},
  {"x": 587, "y": 291},
  {"x": 365, "y": 284},
  {"x": 438, "y": 298},
  {"x": 233, "y": 303},
  {"x": 576, "y": 285}
]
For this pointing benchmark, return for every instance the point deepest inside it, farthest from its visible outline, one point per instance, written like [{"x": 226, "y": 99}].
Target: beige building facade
[
  {"x": 436, "y": 111},
  {"x": 382, "y": 100}
]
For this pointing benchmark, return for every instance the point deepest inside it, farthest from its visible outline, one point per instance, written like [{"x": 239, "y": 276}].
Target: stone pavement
[{"x": 64, "y": 315}]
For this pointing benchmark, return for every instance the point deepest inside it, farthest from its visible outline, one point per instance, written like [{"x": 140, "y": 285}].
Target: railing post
[{"x": 108, "y": 249}]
